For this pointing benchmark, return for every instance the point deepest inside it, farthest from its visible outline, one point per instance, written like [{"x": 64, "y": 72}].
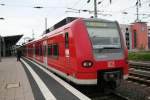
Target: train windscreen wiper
[
  {"x": 106, "y": 47},
  {"x": 111, "y": 47}
]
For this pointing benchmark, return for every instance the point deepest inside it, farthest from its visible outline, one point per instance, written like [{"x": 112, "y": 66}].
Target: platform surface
[{"x": 14, "y": 84}]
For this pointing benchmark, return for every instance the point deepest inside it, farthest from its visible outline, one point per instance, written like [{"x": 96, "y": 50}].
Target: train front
[{"x": 109, "y": 51}]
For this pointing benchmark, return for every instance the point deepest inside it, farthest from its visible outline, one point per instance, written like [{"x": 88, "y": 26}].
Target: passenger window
[
  {"x": 40, "y": 50},
  {"x": 55, "y": 50},
  {"x": 50, "y": 50},
  {"x": 66, "y": 40},
  {"x": 36, "y": 51}
]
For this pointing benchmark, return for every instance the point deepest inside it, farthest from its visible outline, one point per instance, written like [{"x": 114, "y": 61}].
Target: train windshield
[{"x": 104, "y": 37}]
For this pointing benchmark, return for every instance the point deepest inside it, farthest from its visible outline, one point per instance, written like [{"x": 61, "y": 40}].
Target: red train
[{"x": 86, "y": 51}]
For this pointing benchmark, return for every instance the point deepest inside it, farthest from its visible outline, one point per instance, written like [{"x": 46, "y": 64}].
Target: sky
[{"x": 20, "y": 16}]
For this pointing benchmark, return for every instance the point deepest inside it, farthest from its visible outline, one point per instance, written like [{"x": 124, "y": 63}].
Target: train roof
[
  {"x": 62, "y": 23},
  {"x": 70, "y": 19},
  {"x": 37, "y": 39}
]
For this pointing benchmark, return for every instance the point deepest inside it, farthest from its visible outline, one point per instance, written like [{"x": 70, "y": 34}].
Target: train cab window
[
  {"x": 66, "y": 40},
  {"x": 55, "y": 51},
  {"x": 104, "y": 37},
  {"x": 50, "y": 50}
]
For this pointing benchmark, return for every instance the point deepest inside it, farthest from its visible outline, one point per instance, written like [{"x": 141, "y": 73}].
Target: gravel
[{"x": 134, "y": 91}]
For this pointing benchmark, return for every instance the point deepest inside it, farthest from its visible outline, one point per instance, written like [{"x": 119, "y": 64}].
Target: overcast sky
[{"x": 22, "y": 18}]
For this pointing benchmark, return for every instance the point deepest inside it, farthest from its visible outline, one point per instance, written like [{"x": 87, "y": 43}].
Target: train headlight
[{"x": 87, "y": 64}]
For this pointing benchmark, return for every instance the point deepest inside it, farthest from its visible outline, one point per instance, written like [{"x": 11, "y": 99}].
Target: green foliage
[{"x": 139, "y": 56}]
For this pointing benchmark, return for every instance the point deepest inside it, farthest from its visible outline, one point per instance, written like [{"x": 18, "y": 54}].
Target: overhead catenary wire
[
  {"x": 76, "y": 3},
  {"x": 82, "y": 4},
  {"x": 134, "y": 5},
  {"x": 31, "y": 6},
  {"x": 103, "y": 12}
]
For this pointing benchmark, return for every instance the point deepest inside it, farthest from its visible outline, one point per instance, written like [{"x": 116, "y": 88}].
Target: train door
[
  {"x": 45, "y": 52},
  {"x": 67, "y": 51}
]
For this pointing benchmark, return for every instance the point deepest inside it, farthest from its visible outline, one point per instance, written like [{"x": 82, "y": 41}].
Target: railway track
[
  {"x": 110, "y": 96},
  {"x": 120, "y": 97},
  {"x": 95, "y": 93},
  {"x": 138, "y": 65},
  {"x": 139, "y": 78},
  {"x": 139, "y": 73}
]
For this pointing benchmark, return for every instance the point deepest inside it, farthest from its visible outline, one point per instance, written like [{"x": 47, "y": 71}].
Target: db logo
[{"x": 111, "y": 64}]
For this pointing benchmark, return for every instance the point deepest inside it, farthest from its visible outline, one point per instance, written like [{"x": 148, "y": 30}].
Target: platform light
[
  {"x": 38, "y": 7},
  {"x": 124, "y": 12},
  {"x": 1, "y": 18},
  {"x": 2, "y": 4}
]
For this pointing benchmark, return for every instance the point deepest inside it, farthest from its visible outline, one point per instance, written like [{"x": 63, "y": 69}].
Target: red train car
[{"x": 86, "y": 51}]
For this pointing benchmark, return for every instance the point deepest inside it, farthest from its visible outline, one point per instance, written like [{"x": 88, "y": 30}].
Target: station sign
[{"x": 100, "y": 24}]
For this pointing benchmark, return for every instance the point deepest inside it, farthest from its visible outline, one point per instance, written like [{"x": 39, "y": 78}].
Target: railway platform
[
  {"x": 14, "y": 84},
  {"x": 26, "y": 80}
]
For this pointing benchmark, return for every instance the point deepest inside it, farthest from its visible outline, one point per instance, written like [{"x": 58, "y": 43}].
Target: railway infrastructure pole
[
  {"x": 1, "y": 18},
  {"x": 137, "y": 10},
  {"x": 1, "y": 38},
  {"x": 95, "y": 8}
]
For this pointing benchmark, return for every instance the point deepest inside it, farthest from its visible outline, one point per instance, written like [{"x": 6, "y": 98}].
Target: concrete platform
[{"x": 14, "y": 84}]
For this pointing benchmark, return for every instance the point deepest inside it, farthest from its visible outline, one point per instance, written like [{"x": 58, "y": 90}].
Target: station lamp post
[
  {"x": 2, "y": 4},
  {"x": 40, "y": 7},
  {"x": 1, "y": 18},
  {"x": 0, "y": 42}
]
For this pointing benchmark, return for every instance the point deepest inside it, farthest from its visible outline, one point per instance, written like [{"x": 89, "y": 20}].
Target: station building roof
[
  {"x": 11, "y": 40},
  {"x": 7, "y": 43}
]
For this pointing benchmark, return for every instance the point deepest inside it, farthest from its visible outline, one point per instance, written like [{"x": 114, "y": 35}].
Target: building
[
  {"x": 127, "y": 34},
  {"x": 8, "y": 45},
  {"x": 149, "y": 37},
  {"x": 136, "y": 35}
]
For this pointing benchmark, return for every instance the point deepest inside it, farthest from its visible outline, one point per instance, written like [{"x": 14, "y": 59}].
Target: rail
[
  {"x": 120, "y": 97},
  {"x": 139, "y": 78}
]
